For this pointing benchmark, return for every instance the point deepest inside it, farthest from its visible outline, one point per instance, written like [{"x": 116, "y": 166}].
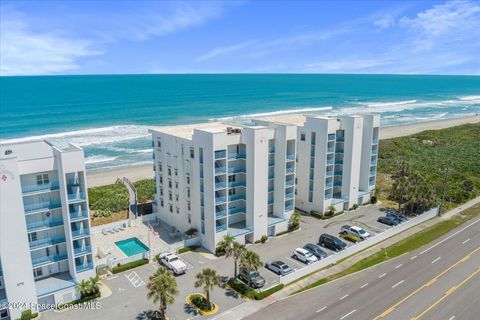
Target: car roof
[
  {"x": 301, "y": 250},
  {"x": 280, "y": 263},
  {"x": 311, "y": 245},
  {"x": 356, "y": 228}
]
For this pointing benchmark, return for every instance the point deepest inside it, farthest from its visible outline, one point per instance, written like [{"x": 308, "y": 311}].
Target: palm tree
[
  {"x": 84, "y": 288},
  {"x": 162, "y": 288},
  {"x": 399, "y": 191},
  {"x": 207, "y": 279},
  {"x": 332, "y": 210},
  {"x": 226, "y": 243},
  {"x": 94, "y": 285},
  {"x": 294, "y": 221},
  {"x": 235, "y": 251},
  {"x": 250, "y": 261}
]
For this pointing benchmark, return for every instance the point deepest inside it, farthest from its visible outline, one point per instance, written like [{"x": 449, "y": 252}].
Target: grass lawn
[{"x": 406, "y": 245}]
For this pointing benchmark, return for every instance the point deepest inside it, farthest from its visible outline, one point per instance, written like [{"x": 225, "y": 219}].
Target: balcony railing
[
  {"x": 84, "y": 267},
  {"x": 374, "y": 151},
  {"x": 337, "y": 183},
  {"x": 220, "y": 213},
  {"x": 270, "y": 201},
  {"x": 329, "y": 173},
  {"x": 47, "y": 187},
  {"x": 271, "y": 163},
  {"x": 340, "y": 138},
  {"x": 373, "y": 162},
  {"x": 291, "y": 157},
  {"x": 328, "y": 184},
  {"x": 288, "y": 207},
  {"x": 241, "y": 183},
  {"x": 46, "y": 242},
  {"x": 220, "y": 199},
  {"x": 331, "y": 136},
  {"x": 271, "y": 175},
  {"x": 339, "y": 161},
  {"x": 339, "y": 150},
  {"x": 330, "y": 149},
  {"x": 290, "y": 182},
  {"x": 330, "y": 161},
  {"x": 271, "y": 149},
  {"x": 44, "y": 224},
  {"x": 82, "y": 251},
  {"x": 220, "y": 185},
  {"x": 80, "y": 233},
  {"x": 290, "y": 170},
  {"x": 328, "y": 195},
  {"x": 234, "y": 210},
  {"x": 271, "y": 188},
  {"x": 220, "y": 170},
  {"x": 236, "y": 170},
  {"x": 220, "y": 154},
  {"x": 375, "y": 140},
  {"x": 41, "y": 206},
  {"x": 48, "y": 259},
  {"x": 220, "y": 227},
  {"x": 289, "y": 195},
  {"x": 237, "y": 155},
  {"x": 236, "y": 197},
  {"x": 79, "y": 196},
  {"x": 338, "y": 173}
]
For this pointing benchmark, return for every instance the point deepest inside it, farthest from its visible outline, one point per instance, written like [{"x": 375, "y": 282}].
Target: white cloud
[
  {"x": 25, "y": 52},
  {"x": 345, "y": 65},
  {"x": 385, "y": 22},
  {"x": 224, "y": 50}
]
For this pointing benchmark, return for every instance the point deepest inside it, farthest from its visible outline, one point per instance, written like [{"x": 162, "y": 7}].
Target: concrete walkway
[
  {"x": 132, "y": 197},
  {"x": 250, "y": 307}
]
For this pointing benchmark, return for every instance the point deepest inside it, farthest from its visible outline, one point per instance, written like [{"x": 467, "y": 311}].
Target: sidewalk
[{"x": 252, "y": 306}]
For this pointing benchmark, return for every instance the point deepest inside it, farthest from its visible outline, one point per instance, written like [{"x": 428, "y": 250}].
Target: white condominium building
[
  {"x": 45, "y": 246},
  {"x": 336, "y": 162},
  {"x": 225, "y": 179}
]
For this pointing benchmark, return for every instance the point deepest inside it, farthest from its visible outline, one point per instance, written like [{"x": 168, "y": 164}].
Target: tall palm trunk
[
  {"x": 209, "y": 304},
  {"x": 163, "y": 308},
  {"x": 235, "y": 269}
]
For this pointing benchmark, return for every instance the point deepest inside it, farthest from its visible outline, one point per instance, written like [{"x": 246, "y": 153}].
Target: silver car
[{"x": 279, "y": 267}]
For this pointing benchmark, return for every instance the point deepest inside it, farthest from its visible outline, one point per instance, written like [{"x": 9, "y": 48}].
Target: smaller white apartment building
[
  {"x": 45, "y": 246},
  {"x": 336, "y": 160},
  {"x": 225, "y": 179}
]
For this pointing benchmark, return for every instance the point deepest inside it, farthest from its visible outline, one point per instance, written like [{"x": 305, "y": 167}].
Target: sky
[{"x": 130, "y": 37}]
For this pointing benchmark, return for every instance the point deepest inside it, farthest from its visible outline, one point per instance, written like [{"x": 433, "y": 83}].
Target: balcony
[
  {"x": 331, "y": 137},
  {"x": 42, "y": 261},
  {"x": 340, "y": 138},
  {"x": 220, "y": 199},
  {"x": 233, "y": 184},
  {"x": 271, "y": 149},
  {"x": 373, "y": 162},
  {"x": 235, "y": 210},
  {"x": 290, "y": 170},
  {"x": 289, "y": 207},
  {"x": 339, "y": 150},
  {"x": 271, "y": 163},
  {"x": 338, "y": 161},
  {"x": 371, "y": 183},
  {"x": 38, "y": 225},
  {"x": 338, "y": 173},
  {"x": 271, "y": 175},
  {"x": 40, "y": 188},
  {"x": 220, "y": 154},
  {"x": 329, "y": 173},
  {"x": 41, "y": 207},
  {"x": 236, "y": 197},
  {"x": 271, "y": 188},
  {"x": 220, "y": 227},
  {"x": 328, "y": 184},
  {"x": 47, "y": 242},
  {"x": 291, "y": 157},
  {"x": 330, "y": 161},
  {"x": 77, "y": 197},
  {"x": 289, "y": 195},
  {"x": 232, "y": 170},
  {"x": 328, "y": 195},
  {"x": 289, "y": 182},
  {"x": 84, "y": 267},
  {"x": 220, "y": 214},
  {"x": 337, "y": 183},
  {"x": 80, "y": 233},
  {"x": 237, "y": 155},
  {"x": 270, "y": 201},
  {"x": 82, "y": 251},
  {"x": 220, "y": 185},
  {"x": 331, "y": 149},
  {"x": 374, "y": 152},
  {"x": 220, "y": 170},
  {"x": 375, "y": 140}
]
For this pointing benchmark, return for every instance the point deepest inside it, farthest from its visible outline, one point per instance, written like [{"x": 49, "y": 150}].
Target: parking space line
[
  {"x": 452, "y": 317},
  {"x": 298, "y": 263},
  {"x": 321, "y": 309},
  {"x": 413, "y": 258},
  {"x": 351, "y": 312},
  {"x": 135, "y": 279},
  {"x": 397, "y": 284},
  {"x": 398, "y": 266},
  {"x": 343, "y": 297},
  {"x": 381, "y": 276},
  {"x": 436, "y": 260},
  {"x": 464, "y": 243},
  {"x": 366, "y": 284}
]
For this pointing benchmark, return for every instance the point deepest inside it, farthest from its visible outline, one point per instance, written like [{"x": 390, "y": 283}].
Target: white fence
[
  {"x": 112, "y": 263},
  {"x": 332, "y": 259}
]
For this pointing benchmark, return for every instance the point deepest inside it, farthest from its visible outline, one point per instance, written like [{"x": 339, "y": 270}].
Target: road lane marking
[
  {"x": 344, "y": 297},
  {"x": 111, "y": 278},
  {"x": 450, "y": 236},
  {"x": 452, "y": 317},
  {"x": 413, "y": 258},
  {"x": 381, "y": 276},
  {"x": 436, "y": 260},
  {"x": 447, "y": 293},
  {"x": 386, "y": 312},
  {"x": 398, "y": 266},
  {"x": 366, "y": 284},
  {"x": 464, "y": 243},
  {"x": 397, "y": 284},
  {"x": 321, "y": 309},
  {"x": 348, "y": 314}
]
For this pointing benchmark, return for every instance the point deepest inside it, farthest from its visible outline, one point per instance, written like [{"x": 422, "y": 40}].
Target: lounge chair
[
  {"x": 104, "y": 231},
  {"x": 120, "y": 228}
]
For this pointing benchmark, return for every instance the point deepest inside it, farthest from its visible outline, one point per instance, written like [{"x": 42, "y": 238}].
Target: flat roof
[
  {"x": 298, "y": 119},
  {"x": 186, "y": 131}
]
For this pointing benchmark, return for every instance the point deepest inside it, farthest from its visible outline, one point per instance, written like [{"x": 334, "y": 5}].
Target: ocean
[{"x": 109, "y": 115}]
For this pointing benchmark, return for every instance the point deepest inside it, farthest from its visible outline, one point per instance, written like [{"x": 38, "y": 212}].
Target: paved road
[{"x": 438, "y": 281}]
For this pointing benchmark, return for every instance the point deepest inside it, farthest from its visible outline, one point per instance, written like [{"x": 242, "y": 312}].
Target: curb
[{"x": 205, "y": 313}]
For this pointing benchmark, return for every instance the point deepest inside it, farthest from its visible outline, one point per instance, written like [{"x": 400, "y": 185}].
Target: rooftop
[
  {"x": 54, "y": 283},
  {"x": 186, "y": 131},
  {"x": 297, "y": 119}
]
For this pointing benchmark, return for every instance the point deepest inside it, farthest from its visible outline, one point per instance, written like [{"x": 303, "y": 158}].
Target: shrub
[
  {"x": 145, "y": 190},
  {"x": 248, "y": 292},
  {"x": 130, "y": 265},
  {"x": 27, "y": 315},
  {"x": 219, "y": 251},
  {"x": 317, "y": 215},
  {"x": 191, "y": 232},
  {"x": 112, "y": 198},
  {"x": 201, "y": 302},
  {"x": 373, "y": 200},
  {"x": 355, "y": 206},
  {"x": 82, "y": 300},
  {"x": 351, "y": 238},
  {"x": 263, "y": 239},
  {"x": 187, "y": 249}
]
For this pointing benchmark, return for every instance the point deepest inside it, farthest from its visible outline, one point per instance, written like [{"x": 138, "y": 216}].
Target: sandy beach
[{"x": 135, "y": 173}]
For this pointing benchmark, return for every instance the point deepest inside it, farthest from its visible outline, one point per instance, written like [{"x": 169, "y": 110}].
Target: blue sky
[{"x": 98, "y": 37}]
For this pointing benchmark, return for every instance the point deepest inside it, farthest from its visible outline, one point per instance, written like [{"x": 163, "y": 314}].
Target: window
[
  {"x": 171, "y": 208},
  {"x": 177, "y": 209},
  {"x": 176, "y": 185},
  {"x": 161, "y": 203},
  {"x": 188, "y": 179},
  {"x": 176, "y": 172},
  {"x": 176, "y": 197},
  {"x": 231, "y": 192},
  {"x": 160, "y": 166},
  {"x": 42, "y": 179},
  {"x": 159, "y": 143},
  {"x": 189, "y": 206},
  {"x": 3, "y": 313},
  {"x": 161, "y": 179},
  {"x": 302, "y": 136},
  {"x": 188, "y": 192},
  {"x": 161, "y": 191},
  {"x": 38, "y": 272},
  {"x": 169, "y": 171},
  {"x": 33, "y": 236},
  {"x": 170, "y": 196},
  {"x": 189, "y": 218},
  {"x": 231, "y": 178},
  {"x": 170, "y": 183},
  {"x": 192, "y": 153}
]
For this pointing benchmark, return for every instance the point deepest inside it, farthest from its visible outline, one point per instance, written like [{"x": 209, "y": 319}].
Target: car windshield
[
  {"x": 308, "y": 254},
  {"x": 361, "y": 231},
  {"x": 337, "y": 241},
  {"x": 173, "y": 259},
  {"x": 284, "y": 267}
]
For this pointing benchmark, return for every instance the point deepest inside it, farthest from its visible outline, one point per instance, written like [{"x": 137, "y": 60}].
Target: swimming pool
[{"x": 131, "y": 246}]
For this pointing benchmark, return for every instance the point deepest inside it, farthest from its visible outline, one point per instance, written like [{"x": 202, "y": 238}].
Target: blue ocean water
[{"x": 108, "y": 115}]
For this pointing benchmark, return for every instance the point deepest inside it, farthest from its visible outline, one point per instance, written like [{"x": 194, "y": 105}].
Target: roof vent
[{"x": 229, "y": 130}]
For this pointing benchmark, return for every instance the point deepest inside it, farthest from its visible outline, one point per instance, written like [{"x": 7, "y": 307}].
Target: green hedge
[
  {"x": 201, "y": 302},
  {"x": 145, "y": 190},
  {"x": 28, "y": 314},
  {"x": 82, "y": 300},
  {"x": 248, "y": 292},
  {"x": 351, "y": 238},
  {"x": 130, "y": 265},
  {"x": 322, "y": 216},
  {"x": 187, "y": 249},
  {"x": 110, "y": 198},
  {"x": 262, "y": 295}
]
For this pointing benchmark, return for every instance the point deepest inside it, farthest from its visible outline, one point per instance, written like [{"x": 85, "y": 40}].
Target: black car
[
  {"x": 397, "y": 216},
  {"x": 315, "y": 250},
  {"x": 331, "y": 242},
  {"x": 388, "y": 221}
]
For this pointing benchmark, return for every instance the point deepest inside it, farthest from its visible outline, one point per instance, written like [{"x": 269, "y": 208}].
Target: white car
[
  {"x": 173, "y": 263},
  {"x": 304, "y": 256},
  {"x": 355, "y": 231}
]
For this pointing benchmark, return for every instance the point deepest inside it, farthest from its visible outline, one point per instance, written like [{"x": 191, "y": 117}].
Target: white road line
[
  {"x": 436, "y": 260},
  {"x": 464, "y": 243},
  {"x": 366, "y": 284},
  {"x": 397, "y": 284},
  {"x": 381, "y": 276},
  {"x": 452, "y": 317},
  {"x": 450, "y": 236},
  {"x": 343, "y": 297},
  {"x": 348, "y": 314},
  {"x": 398, "y": 266},
  {"x": 413, "y": 258},
  {"x": 319, "y": 310},
  {"x": 111, "y": 278}
]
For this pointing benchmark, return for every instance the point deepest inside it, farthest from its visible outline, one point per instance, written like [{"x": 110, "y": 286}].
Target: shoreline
[{"x": 145, "y": 171}]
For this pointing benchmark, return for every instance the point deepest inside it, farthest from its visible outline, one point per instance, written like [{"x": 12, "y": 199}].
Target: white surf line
[
  {"x": 348, "y": 314},
  {"x": 343, "y": 297},
  {"x": 450, "y": 236},
  {"x": 381, "y": 276},
  {"x": 397, "y": 284},
  {"x": 321, "y": 309},
  {"x": 398, "y": 266},
  {"x": 413, "y": 258},
  {"x": 466, "y": 241},
  {"x": 366, "y": 284},
  {"x": 436, "y": 260}
]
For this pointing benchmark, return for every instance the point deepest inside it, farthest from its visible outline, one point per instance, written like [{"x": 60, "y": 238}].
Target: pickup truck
[
  {"x": 355, "y": 231},
  {"x": 173, "y": 263}
]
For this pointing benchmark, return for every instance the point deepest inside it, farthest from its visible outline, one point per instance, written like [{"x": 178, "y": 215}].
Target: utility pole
[{"x": 442, "y": 202}]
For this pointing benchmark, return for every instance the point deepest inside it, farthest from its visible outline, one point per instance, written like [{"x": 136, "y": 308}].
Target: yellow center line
[
  {"x": 428, "y": 283},
  {"x": 447, "y": 293}
]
